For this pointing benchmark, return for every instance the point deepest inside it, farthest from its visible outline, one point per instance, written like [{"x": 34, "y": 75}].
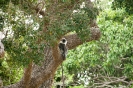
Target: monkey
[
  {"x": 63, "y": 52},
  {"x": 63, "y": 48}
]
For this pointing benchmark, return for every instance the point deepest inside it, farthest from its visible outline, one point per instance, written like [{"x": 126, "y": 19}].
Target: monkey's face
[{"x": 63, "y": 40}]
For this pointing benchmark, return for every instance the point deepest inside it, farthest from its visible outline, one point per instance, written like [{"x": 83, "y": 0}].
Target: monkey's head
[{"x": 64, "y": 41}]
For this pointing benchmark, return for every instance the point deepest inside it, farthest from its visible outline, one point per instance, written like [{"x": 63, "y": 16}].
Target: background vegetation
[{"x": 107, "y": 62}]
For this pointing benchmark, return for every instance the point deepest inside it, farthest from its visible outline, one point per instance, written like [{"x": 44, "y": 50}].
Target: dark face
[{"x": 63, "y": 40}]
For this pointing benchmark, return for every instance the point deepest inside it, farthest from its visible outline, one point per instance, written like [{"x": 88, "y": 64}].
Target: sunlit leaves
[
  {"x": 9, "y": 71},
  {"x": 82, "y": 57},
  {"x": 118, "y": 36}
]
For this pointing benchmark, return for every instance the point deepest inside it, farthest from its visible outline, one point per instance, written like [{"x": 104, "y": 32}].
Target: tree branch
[
  {"x": 74, "y": 40},
  {"x": 106, "y": 81}
]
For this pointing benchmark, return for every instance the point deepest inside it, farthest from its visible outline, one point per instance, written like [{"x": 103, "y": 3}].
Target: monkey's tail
[{"x": 63, "y": 81}]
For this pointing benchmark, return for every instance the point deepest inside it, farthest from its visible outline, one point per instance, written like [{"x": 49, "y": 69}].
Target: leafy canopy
[{"x": 27, "y": 31}]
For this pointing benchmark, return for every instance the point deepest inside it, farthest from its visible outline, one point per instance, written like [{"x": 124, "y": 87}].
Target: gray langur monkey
[{"x": 63, "y": 48}]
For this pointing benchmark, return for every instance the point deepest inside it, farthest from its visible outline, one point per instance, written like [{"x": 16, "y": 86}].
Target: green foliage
[
  {"x": 3, "y": 2},
  {"x": 22, "y": 40},
  {"x": 80, "y": 25},
  {"x": 114, "y": 50},
  {"x": 126, "y": 4},
  {"x": 25, "y": 29},
  {"x": 119, "y": 43},
  {"x": 115, "y": 15},
  {"x": 9, "y": 72}
]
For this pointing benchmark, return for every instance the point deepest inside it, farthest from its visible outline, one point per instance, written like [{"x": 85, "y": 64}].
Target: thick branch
[
  {"x": 40, "y": 11},
  {"x": 55, "y": 52},
  {"x": 74, "y": 40}
]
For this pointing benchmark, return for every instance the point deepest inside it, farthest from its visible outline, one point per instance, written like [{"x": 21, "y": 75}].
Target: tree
[{"x": 27, "y": 46}]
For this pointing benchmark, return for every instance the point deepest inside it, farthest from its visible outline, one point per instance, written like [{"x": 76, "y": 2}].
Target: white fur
[{"x": 65, "y": 41}]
